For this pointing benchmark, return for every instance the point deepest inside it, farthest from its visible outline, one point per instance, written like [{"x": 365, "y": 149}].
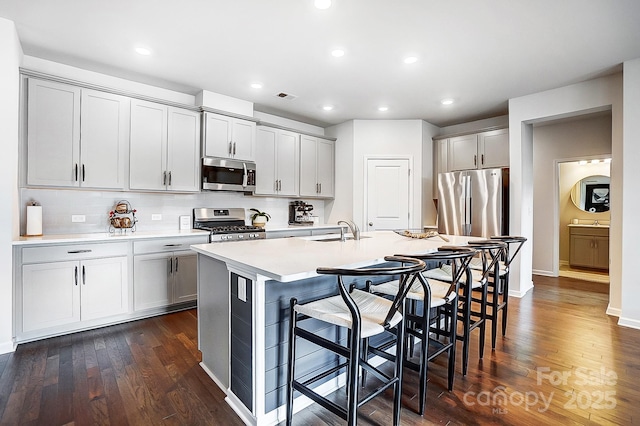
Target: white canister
[
  {"x": 34, "y": 220},
  {"x": 575, "y": 221}
]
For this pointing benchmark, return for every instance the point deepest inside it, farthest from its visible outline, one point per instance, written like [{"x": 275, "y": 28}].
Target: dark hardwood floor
[{"x": 563, "y": 361}]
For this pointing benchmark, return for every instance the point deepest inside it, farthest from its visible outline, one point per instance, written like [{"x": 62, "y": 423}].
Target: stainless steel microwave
[{"x": 223, "y": 174}]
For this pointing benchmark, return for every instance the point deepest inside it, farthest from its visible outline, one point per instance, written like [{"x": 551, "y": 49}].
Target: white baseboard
[
  {"x": 7, "y": 347},
  {"x": 628, "y": 322},
  {"x": 543, "y": 273},
  {"x": 522, "y": 292},
  {"x": 616, "y": 312},
  {"x": 213, "y": 377}
]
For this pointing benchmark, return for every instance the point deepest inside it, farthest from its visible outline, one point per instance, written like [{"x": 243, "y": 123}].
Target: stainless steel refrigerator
[{"x": 474, "y": 202}]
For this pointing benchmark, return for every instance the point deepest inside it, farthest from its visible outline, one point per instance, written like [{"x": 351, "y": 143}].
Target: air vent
[{"x": 283, "y": 95}]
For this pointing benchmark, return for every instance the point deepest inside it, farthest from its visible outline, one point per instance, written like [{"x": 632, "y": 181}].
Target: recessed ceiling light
[
  {"x": 410, "y": 60},
  {"x": 323, "y": 4},
  {"x": 447, "y": 101},
  {"x": 337, "y": 53},
  {"x": 143, "y": 51},
  {"x": 327, "y": 107},
  {"x": 256, "y": 85},
  {"x": 383, "y": 108},
  {"x": 595, "y": 161},
  {"x": 582, "y": 162},
  {"x": 607, "y": 160}
]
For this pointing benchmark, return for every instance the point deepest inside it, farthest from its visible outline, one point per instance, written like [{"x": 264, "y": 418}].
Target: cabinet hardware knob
[{"x": 370, "y": 223}]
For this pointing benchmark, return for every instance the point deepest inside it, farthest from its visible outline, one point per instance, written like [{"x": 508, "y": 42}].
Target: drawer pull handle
[
  {"x": 173, "y": 245},
  {"x": 78, "y": 251}
]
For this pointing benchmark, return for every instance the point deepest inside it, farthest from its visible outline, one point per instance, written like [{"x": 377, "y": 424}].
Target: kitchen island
[{"x": 244, "y": 290}]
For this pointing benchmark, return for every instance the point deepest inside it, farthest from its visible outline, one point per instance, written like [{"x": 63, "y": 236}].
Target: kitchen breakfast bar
[{"x": 244, "y": 290}]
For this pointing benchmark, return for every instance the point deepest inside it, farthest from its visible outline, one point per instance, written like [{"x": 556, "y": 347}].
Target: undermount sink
[{"x": 332, "y": 238}]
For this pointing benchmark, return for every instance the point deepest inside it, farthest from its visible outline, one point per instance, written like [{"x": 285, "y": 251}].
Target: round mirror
[{"x": 591, "y": 194}]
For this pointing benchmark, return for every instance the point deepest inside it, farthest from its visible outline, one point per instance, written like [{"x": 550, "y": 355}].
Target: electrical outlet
[
  {"x": 242, "y": 289},
  {"x": 78, "y": 218},
  {"x": 156, "y": 217}
]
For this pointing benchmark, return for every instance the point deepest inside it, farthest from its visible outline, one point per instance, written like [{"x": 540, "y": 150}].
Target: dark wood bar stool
[
  {"x": 437, "y": 332},
  {"x": 364, "y": 315},
  {"x": 472, "y": 316}
]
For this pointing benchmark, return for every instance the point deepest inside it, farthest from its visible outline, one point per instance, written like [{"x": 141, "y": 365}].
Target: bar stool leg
[
  {"x": 292, "y": 357},
  {"x": 397, "y": 403}
]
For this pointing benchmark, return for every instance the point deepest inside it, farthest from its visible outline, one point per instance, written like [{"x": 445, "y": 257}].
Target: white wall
[
  {"x": 566, "y": 140},
  {"x": 590, "y": 96},
  {"x": 10, "y": 58},
  {"x": 391, "y": 139},
  {"x": 341, "y": 207},
  {"x": 628, "y": 253}
]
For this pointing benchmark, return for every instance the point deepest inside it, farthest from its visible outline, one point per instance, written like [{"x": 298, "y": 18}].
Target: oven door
[{"x": 220, "y": 174}]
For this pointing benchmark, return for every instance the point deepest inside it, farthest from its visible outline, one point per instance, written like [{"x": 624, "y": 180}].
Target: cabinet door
[
  {"x": 244, "y": 140},
  {"x": 494, "y": 148},
  {"x": 104, "y": 287},
  {"x": 185, "y": 277},
  {"x": 287, "y": 163},
  {"x": 266, "y": 161},
  {"x": 325, "y": 167},
  {"x": 217, "y": 140},
  {"x": 151, "y": 286},
  {"x": 183, "y": 152},
  {"x": 105, "y": 137},
  {"x": 601, "y": 252},
  {"x": 308, "y": 159},
  {"x": 50, "y": 295},
  {"x": 53, "y": 134},
  {"x": 581, "y": 250},
  {"x": 148, "y": 150},
  {"x": 463, "y": 152}
]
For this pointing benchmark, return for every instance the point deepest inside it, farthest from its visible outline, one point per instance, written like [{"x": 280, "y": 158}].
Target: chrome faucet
[
  {"x": 595, "y": 222},
  {"x": 352, "y": 226}
]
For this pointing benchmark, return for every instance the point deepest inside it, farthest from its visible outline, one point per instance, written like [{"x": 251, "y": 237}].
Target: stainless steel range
[{"x": 226, "y": 225}]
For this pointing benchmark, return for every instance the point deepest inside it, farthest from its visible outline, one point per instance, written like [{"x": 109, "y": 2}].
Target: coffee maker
[{"x": 300, "y": 213}]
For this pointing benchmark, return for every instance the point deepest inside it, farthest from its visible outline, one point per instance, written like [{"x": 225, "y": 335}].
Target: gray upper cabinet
[
  {"x": 479, "y": 150},
  {"x": 316, "y": 167},
  {"x": 277, "y": 162},
  {"x": 76, "y": 137},
  {"x": 229, "y": 137},
  {"x": 164, "y": 153}
]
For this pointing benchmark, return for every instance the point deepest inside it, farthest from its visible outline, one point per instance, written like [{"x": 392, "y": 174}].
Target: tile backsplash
[{"x": 58, "y": 205}]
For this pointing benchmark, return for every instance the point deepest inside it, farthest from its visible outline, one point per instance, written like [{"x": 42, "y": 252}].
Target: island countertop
[{"x": 292, "y": 259}]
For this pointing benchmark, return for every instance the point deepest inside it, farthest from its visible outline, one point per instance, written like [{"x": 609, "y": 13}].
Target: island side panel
[
  {"x": 242, "y": 339},
  {"x": 213, "y": 318}
]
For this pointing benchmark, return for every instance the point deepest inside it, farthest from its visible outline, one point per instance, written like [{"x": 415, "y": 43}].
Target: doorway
[
  {"x": 388, "y": 189},
  {"x": 584, "y": 218}
]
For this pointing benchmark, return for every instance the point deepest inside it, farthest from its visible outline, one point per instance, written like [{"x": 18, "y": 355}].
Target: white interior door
[{"x": 387, "y": 194}]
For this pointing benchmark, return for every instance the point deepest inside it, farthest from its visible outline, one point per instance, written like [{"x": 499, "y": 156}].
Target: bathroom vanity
[{"x": 589, "y": 246}]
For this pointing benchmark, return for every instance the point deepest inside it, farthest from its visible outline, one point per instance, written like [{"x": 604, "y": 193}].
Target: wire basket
[{"x": 122, "y": 217}]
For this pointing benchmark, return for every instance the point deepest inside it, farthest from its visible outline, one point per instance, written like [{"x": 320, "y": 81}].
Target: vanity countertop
[{"x": 587, "y": 225}]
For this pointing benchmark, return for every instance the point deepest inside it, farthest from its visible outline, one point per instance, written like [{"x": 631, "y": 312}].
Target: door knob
[{"x": 370, "y": 223}]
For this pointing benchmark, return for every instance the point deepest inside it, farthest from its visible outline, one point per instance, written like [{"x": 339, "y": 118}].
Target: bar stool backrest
[
  {"x": 458, "y": 257},
  {"x": 408, "y": 270},
  {"x": 509, "y": 240},
  {"x": 492, "y": 251}
]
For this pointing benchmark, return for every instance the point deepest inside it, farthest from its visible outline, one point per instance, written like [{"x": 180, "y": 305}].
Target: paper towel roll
[{"x": 34, "y": 220}]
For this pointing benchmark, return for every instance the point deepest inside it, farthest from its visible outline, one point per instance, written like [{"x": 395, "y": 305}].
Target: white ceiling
[{"x": 480, "y": 53}]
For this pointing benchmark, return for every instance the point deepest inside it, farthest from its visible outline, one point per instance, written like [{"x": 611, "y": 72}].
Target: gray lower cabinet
[
  {"x": 589, "y": 247},
  {"x": 164, "y": 272},
  {"x": 65, "y": 288}
]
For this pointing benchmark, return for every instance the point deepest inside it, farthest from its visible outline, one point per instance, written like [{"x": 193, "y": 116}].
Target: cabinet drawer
[
  {"x": 168, "y": 244},
  {"x": 73, "y": 252},
  {"x": 590, "y": 231}
]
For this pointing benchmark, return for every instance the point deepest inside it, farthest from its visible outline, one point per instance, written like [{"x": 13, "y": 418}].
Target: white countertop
[
  {"x": 291, "y": 259},
  {"x": 590, "y": 225},
  {"x": 104, "y": 237},
  {"x": 302, "y": 227}
]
